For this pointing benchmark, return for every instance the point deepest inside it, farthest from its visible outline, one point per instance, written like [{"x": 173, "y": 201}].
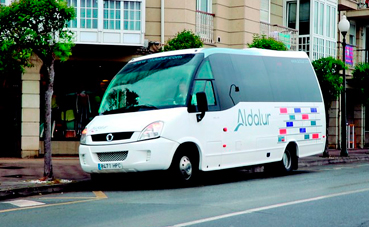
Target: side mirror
[{"x": 202, "y": 105}]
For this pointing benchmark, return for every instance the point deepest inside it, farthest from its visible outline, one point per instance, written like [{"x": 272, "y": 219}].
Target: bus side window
[{"x": 204, "y": 86}]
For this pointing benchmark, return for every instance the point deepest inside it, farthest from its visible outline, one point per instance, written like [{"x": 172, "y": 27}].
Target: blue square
[
  {"x": 297, "y": 110},
  {"x": 313, "y": 110},
  {"x": 302, "y": 130},
  {"x": 289, "y": 124}
]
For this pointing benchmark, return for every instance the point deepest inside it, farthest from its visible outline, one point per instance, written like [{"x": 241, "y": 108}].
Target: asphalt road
[{"x": 334, "y": 195}]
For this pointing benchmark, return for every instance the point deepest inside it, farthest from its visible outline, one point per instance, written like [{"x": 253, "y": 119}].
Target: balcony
[
  {"x": 108, "y": 22},
  {"x": 286, "y": 35},
  {"x": 360, "y": 14},
  {"x": 205, "y": 26},
  {"x": 344, "y": 5}
]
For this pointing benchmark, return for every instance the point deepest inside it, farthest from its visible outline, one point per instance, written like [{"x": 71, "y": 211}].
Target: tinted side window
[
  {"x": 283, "y": 79},
  {"x": 225, "y": 77},
  {"x": 293, "y": 80},
  {"x": 278, "y": 79},
  {"x": 255, "y": 85}
]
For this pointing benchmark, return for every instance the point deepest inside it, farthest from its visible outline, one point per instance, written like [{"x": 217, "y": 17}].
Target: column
[{"x": 30, "y": 129}]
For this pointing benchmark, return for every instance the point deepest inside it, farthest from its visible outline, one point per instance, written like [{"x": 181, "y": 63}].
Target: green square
[
  {"x": 292, "y": 117},
  {"x": 313, "y": 122},
  {"x": 307, "y": 136}
]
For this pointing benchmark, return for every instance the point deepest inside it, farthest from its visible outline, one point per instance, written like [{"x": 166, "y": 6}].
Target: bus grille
[
  {"x": 112, "y": 156},
  {"x": 114, "y": 136}
]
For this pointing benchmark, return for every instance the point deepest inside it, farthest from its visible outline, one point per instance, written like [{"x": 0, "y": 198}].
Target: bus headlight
[
  {"x": 83, "y": 136},
  {"x": 152, "y": 131}
]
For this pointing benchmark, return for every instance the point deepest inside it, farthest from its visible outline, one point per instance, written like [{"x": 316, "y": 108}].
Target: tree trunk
[{"x": 48, "y": 166}]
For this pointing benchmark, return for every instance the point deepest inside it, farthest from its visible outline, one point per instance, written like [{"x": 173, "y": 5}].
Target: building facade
[{"x": 111, "y": 32}]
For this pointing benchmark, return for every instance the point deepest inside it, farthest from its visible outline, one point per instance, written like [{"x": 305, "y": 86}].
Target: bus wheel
[
  {"x": 286, "y": 162},
  {"x": 184, "y": 168}
]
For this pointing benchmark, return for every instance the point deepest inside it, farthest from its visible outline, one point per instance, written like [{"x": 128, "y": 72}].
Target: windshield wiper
[
  {"x": 145, "y": 107},
  {"x": 130, "y": 109}
]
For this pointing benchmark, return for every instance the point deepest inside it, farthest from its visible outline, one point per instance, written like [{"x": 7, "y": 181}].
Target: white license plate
[{"x": 103, "y": 166}]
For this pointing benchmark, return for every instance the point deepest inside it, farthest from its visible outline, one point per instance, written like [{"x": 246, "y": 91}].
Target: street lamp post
[{"x": 343, "y": 26}]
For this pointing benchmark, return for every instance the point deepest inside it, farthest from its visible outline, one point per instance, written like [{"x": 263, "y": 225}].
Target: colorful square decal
[
  {"x": 289, "y": 124},
  {"x": 313, "y": 123},
  {"x": 283, "y": 110},
  {"x": 316, "y": 136},
  {"x": 307, "y": 136},
  {"x": 302, "y": 130},
  {"x": 292, "y": 117},
  {"x": 283, "y": 131},
  {"x": 281, "y": 139},
  {"x": 305, "y": 116},
  {"x": 297, "y": 110},
  {"x": 313, "y": 110}
]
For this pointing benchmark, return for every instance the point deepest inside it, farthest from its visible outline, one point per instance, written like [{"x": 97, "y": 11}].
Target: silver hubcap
[
  {"x": 286, "y": 160},
  {"x": 185, "y": 167}
]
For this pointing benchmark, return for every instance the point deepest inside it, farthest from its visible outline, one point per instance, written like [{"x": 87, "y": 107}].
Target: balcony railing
[
  {"x": 286, "y": 35},
  {"x": 205, "y": 27},
  {"x": 304, "y": 44}
]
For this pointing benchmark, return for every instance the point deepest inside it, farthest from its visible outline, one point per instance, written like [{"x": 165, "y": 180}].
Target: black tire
[
  {"x": 286, "y": 164},
  {"x": 184, "y": 169}
]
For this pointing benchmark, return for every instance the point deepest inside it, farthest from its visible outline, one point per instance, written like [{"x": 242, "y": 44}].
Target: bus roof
[{"x": 210, "y": 51}]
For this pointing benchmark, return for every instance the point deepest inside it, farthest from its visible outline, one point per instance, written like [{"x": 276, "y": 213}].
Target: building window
[
  {"x": 88, "y": 13},
  {"x": 291, "y": 14},
  {"x": 352, "y": 33},
  {"x": 329, "y": 26},
  {"x": 112, "y": 15},
  {"x": 73, "y": 23},
  {"x": 318, "y": 18},
  {"x": 204, "y": 6},
  {"x": 265, "y": 10},
  {"x": 304, "y": 18},
  {"x": 132, "y": 15}
]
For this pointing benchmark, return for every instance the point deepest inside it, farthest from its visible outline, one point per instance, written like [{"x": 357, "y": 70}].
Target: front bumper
[{"x": 155, "y": 154}]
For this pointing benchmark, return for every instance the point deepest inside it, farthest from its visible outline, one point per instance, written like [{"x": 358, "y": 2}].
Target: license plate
[{"x": 103, "y": 166}]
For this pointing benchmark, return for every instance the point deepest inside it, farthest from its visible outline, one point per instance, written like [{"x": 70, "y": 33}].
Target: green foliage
[
  {"x": 361, "y": 81},
  {"x": 262, "y": 42},
  {"x": 327, "y": 70},
  {"x": 183, "y": 40},
  {"x": 34, "y": 26},
  {"x": 12, "y": 59}
]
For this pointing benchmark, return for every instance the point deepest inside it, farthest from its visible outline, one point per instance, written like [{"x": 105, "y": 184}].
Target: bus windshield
[{"x": 152, "y": 83}]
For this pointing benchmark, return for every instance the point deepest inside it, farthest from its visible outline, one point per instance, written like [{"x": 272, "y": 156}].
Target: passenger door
[{"x": 209, "y": 130}]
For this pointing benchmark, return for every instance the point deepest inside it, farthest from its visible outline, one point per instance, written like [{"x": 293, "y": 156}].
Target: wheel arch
[{"x": 191, "y": 147}]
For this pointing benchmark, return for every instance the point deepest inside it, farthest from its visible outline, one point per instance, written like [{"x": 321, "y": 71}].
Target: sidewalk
[{"x": 18, "y": 176}]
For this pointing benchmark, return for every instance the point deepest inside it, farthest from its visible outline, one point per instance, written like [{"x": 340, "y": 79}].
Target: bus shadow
[{"x": 159, "y": 180}]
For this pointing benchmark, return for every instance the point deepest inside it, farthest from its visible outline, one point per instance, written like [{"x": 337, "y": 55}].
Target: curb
[
  {"x": 333, "y": 160},
  {"x": 42, "y": 189}
]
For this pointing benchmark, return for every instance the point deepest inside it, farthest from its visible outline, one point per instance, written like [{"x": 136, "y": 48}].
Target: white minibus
[{"x": 207, "y": 109}]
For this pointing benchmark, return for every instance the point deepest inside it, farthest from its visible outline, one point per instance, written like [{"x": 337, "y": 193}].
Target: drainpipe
[{"x": 162, "y": 23}]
